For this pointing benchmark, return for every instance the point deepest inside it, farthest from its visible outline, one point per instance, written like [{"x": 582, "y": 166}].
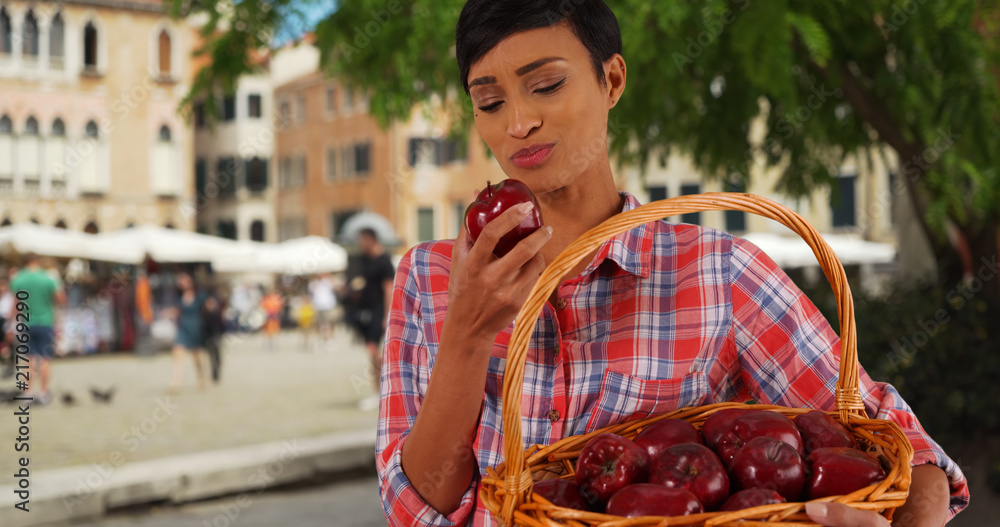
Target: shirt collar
[{"x": 630, "y": 250}]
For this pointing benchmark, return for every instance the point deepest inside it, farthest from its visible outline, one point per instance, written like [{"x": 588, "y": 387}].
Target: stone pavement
[{"x": 266, "y": 398}]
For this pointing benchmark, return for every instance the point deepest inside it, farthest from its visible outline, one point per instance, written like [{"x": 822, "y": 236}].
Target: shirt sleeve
[
  {"x": 789, "y": 355},
  {"x": 405, "y": 376}
]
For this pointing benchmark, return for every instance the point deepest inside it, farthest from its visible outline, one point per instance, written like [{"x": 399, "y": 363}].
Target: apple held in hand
[
  {"x": 819, "y": 430},
  {"x": 561, "y": 492},
  {"x": 748, "y": 498},
  {"x": 840, "y": 470},
  {"x": 609, "y": 463},
  {"x": 493, "y": 201},
  {"x": 647, "y": 499},
  {"x": 768, "y": 463},
  {"x": 762, "y": 423},
  {"x": 666, "y": 433},
  {"x": 693, "y": 467}
]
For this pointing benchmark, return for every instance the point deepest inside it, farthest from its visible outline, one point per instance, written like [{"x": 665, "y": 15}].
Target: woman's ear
[{"x": 614, "y": 74}]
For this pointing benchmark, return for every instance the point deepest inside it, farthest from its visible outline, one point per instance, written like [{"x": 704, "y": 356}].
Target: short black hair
[
  {"x": 369, "y": 232},
  {"x": 484, "y": 23}
]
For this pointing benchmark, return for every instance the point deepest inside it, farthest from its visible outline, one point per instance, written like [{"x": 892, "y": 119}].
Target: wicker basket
[{"x": 506, "y": 489}]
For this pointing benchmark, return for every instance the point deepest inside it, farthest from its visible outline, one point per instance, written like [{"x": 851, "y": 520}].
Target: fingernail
[
  {"x": 816, "y": 510},
  {"x": 548, "y": 229},
  {"x": 525, "y": 207}
]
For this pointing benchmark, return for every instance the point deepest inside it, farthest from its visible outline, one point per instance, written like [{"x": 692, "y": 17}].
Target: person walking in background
[
  {"x": 371, "y": 290},
  {"x": 6, "y": 306},
  {"x": 305, "y": 315},
  {"x": 324, "y": 301},
  {"x": 214, "y": 326},
  {"x": 190, "y": 330},
  {"x": 272, "y": 304},
  {"x": 43, "y": 294}
]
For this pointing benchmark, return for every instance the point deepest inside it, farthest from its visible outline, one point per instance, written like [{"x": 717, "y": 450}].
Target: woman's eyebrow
[{"x": 523, "y": 70}]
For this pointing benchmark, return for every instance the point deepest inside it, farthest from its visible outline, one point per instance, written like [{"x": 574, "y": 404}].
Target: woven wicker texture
[{"x": 506, "y": 489}]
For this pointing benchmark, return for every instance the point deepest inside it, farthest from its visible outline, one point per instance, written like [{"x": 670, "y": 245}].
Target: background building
[{"x": 90, "y": 136}]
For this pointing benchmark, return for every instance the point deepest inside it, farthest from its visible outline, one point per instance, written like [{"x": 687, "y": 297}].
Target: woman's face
[
  {"x": 541, "y": 109},
  {"x": 184, "y": 281}
]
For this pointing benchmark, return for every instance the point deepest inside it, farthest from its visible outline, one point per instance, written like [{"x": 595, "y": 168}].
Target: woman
[
  {"x": 190, "y": 339},
  {"x": 659, "y": 317}
]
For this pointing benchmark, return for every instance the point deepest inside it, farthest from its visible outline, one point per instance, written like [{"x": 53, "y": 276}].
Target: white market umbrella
[
  {"x": 300, "y": 256},
  {"x": 371, "y": 220},
  {"x": 45, "y": 240},
  {"x": 792, "y": 251},
  {"x": 174, "y": 246}
]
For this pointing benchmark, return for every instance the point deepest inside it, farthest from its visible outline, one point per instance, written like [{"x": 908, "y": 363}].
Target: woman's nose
[{"x": 522, "y": 119}]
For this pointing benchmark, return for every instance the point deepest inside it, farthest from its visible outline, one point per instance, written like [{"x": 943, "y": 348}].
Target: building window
[
  {"x": 61, "y": 224},
  {"x": 90, "y": 47},
  {"x": 286, "y": 113},
  {"x": 29, "y": 30},
  {"x": 425, "y": 224},
  {"x": 31, "y": 126},
  {"x": 55, "y": 148},
  {"x": 331, "y": 164},
  {"x": 362, "y": 159},
  {"x": 459, "y": 217},
  {"x": 842, "y": 202},
  {"x": 90, "y": 180},
  {"x": 253, "y": 106},
  {"x": 331, "y": 99},
  {"x": 338, "y": 219},
  {"x": 300, "y": 109},
  {"x": 256, "y": 174},
  {"x": 228, "y": 110},
  {"x": 58, "y": 128},
  {"x": 257, "y": 231},
  {"x": 694, "y": 218},
  {"x": 348, "y": 98},
  {"x": 6, "y": 154},
  {"x": 91, "y": 228},
  {"x": 301, "y": 172},
  {"x": 57, "y": 32},
  {"x": 657, "y": 193},
  {"x": 200, "y": 176},
  {"x": 163, "y": 45},
  {"x": 437, "y": 152},
  {"x": 5, "y": 29},
  {"x": 226, "y": 169},
  {"x": 226, "y": 229},
  {"x": 199, "y": 115},
  {"x": 164, "y": 174},
  {"x": 736, "y": 220}
]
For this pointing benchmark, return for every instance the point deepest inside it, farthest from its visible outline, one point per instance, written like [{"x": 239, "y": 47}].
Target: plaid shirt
[{"x": 665, "y": 316}]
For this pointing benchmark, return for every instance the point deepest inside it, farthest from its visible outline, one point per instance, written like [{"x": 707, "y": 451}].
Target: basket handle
[{"x": 849, "y": 403}]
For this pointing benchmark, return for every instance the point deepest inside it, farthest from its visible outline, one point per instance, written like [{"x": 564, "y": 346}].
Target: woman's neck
[{"x": 574, "y": 209}]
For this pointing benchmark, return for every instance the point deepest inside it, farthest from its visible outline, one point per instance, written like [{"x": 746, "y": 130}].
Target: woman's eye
[
  {"x": 490, "y": 108},
  {"x": 551, "y": 88}
]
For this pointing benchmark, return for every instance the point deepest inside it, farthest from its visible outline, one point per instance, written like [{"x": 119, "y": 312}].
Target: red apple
[
  {"x": 646, "y": 499},
  {"x": 561, "y": 492},
  {"x": 609, "y": 463},
  {"x": 819, "y": 430},
  {"x": 768, "y": 463},
  {"x": 719, "y": 423},
  {"x": 693, "y": 467},
  {"x": 762, "y": 423},
  {"x": 748, "y": 498},
  {"x": 835, "y": 471},
  {"x": 666, "y": 433},
  {"x": 493, "y": 201}
]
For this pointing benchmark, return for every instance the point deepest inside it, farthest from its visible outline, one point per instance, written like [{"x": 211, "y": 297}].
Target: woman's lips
[{"x": 531, "y": 156}]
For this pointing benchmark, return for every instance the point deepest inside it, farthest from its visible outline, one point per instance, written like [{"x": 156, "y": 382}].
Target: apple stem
[{"x": 489, "y": 189}]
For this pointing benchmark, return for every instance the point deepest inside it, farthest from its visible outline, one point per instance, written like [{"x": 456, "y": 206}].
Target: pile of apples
[{"x": 742, "y": 458}]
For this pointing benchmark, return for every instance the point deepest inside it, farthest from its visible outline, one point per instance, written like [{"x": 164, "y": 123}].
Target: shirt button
[
  {"x": 560, "y": 303},
  {"x": 553, "y": 415}
]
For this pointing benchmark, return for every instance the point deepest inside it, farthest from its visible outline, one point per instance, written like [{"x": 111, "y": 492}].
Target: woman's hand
[
  {"x": 486, "y": 292},
  {"x": 840, "y": 515}
]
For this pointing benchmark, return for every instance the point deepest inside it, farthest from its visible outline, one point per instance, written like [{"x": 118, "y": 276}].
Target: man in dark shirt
[{"x": 371, "y": 292}]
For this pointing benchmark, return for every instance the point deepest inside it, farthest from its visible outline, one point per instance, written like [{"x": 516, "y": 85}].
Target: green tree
[{"x": 830, "y": 78}]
